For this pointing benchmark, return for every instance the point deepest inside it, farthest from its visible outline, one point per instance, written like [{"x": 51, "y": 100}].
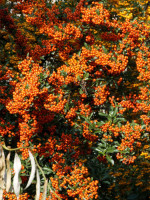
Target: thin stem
[
  {"x": 45, "y": 178},
  {"x": 9, "y": 149}
]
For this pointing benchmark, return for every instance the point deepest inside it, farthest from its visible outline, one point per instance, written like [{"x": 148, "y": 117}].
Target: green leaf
[
  {"x": 132, "y": 197},
  {"x": 79, "y": 78},
  {"x": 97, "y": 12},
  {"x": 79, "y": 52},
  {"x": 28, "y": 54},
  {"x": 63, "y": 73},
  {"x": 47, "y": 85},
  {"x": 112, "y": 150},
  {"x": 104, "y": 49},
  {"x": 87, "y": 120},
  {"x": 87, "y": 46},
  {"x": 106, "y": 182},
  {"x": 100, "y": 151},
  {"x": 56, "y": 27},
  {"x": 110, "y": 159},
  {"x": 115, "y": 111},
  {"x": 42, "y": 58},
  {"x": 103, "y": 114},
  {"x": 86, "y": 75},
  {"x": 1, "y": 106},
  {"x": 81, "y": 91},
  {"x": 100, "y": 123},
  {"x": 104, "y": 142},
  {"x": 98, "y": 131},
  {"x": 47, "y": 169},
  {"x": 27, "y": 86}
]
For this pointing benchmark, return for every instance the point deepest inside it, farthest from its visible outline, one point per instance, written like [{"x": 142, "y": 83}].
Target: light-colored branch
[
  {"x": 15, "y": 149},
  {"x": 45, "y": 178}
]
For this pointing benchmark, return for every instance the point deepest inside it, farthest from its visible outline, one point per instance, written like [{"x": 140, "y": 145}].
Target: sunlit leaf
[
  {"x": 33, "y": 168},
  {"x": 37, "y": 185},
  {"x": 17, "y": 168},
  {"x": 110, "y": 159},
  {"x": 8, "y": 176},
  {"x": 2, "y": 172},
  {"x": 45, "y": 190}
]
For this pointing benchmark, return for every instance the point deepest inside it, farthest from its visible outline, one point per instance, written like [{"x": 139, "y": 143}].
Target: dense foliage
[{"x": 75, "y": 92}]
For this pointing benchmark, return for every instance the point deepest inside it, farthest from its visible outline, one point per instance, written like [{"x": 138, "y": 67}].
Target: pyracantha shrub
[{"x": 74, "y": 99}]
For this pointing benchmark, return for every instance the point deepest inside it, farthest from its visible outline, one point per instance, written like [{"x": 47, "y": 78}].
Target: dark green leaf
[{"x": 97, "y": 12}]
